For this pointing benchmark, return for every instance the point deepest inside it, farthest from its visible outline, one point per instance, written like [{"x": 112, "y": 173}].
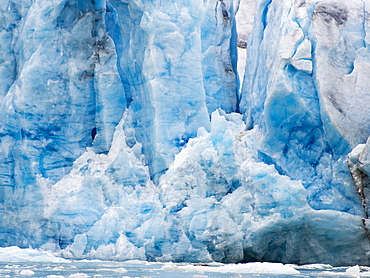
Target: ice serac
[
  {"x": 300, "y": 55},
  {"x": 342, "y": 56},
  {"x": 171, "y": 61},
  {"x": 121, "y": 136},
  {"x": 219, "y": 55},
  {"x": 66, "y": 89},
  {"x": 244, "y": 26},
  {"x": 286, "y": 95},
  {"x": 183, "y": 51},
  {"x": 359, "y": 164}
]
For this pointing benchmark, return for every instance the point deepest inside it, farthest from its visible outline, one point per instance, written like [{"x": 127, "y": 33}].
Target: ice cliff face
[{"x": 126, "y": 132}]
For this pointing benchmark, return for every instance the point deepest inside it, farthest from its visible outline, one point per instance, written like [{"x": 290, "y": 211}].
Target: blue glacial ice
[{"x": 127, "y": 133}]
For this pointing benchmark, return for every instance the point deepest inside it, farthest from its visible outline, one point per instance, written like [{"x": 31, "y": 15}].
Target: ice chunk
[
  {"x": 27, "y": 272},
  {"x": 354, "y": 270},
  {"x": 78, "y": 275},
  {"x": 16, "y": 254},
  {"x": 260, "y": 268}
]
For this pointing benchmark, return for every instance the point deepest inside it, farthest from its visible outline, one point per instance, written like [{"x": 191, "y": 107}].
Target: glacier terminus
[{"x": 186, "y": 131}]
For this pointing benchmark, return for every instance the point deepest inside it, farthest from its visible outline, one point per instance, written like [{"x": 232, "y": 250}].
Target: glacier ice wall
[{"x": 126, "y": 132}]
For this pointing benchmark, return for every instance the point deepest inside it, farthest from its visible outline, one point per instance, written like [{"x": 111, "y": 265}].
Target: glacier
[{"x": 186, "y": 131}]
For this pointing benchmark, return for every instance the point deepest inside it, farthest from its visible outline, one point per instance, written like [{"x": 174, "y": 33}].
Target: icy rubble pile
[{"x": 126, "y": 132}]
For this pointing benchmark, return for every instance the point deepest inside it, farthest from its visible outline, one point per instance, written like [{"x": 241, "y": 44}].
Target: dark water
[{"x": 84, "y": 269}]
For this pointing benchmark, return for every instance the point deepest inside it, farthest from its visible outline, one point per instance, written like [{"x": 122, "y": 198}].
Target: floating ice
[
  {"x": 16, "y": 254},
  {"x": 27, "y": 272},
  {"x": 254, "y": 268},
  {"x": 78, "y": 275},
  {"x": 354, "y": 270}
]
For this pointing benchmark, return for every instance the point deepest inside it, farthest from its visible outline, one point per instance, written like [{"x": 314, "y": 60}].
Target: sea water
[{"x": 84, "y": 269}]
